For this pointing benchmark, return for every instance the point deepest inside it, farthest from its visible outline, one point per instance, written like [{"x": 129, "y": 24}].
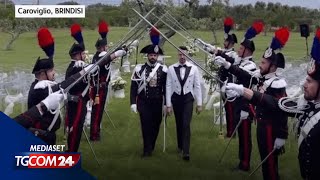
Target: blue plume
[
  {"x": 251, "y": 33},
  {"x": 275, "y": 44},
  {"x": 78, "y": 37},
  {"x": 155, "y": 40},
  {"x": 49, "y": 50},
  {"x": 315, "y": 51},
  {"x": 227, "y": 29}
]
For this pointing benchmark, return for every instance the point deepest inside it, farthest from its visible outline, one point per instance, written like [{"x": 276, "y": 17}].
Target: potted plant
[{"x": 118, "y": 86}]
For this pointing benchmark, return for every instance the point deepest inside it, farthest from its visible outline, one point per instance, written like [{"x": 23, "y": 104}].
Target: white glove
[
  {"x": 239, "y": 89},
  {"x": 93, "y": 70},
  {"x": 87, "y": 120},
  {"x": 120, "y": 53},
  {"x": 135, "y": 43},
  {"x": 164, "y": 110},
  {"x": 220, "y": 61},
  {"x": 103, "y": 53},
  {"x": 80, "y": 64},
  {"x": 256, "y": 73},
  {"x": 44, "y": 83},
  {"x": 53, "y": 100},
  {"x": 278, "y": 143},
  {"x": 232, "y": 94},
  {"x": 210, "y": 48},
  {"x": 134, "y": 108}
]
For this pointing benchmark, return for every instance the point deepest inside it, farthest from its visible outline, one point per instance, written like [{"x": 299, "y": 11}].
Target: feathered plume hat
[
  {"x": 279, "y": 40},
  {"x": 103, "y": 31},
  {"x": 77, "y": 35},
  {"x": 254, "y": 30},
  {"x": 314, "y": 66},
  {"x": 228, "y": 26},
  {"x": 154, "y": 47},
  {"x": 46, "y": 42}
]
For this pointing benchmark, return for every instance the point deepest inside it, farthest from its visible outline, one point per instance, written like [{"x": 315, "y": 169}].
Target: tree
[
  {"x": 218, "y": 9},
  {"x": 16, "y": 27},
  {"x": 69, "y": 3}
]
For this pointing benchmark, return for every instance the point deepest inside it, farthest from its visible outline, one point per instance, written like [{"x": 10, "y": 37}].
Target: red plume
[
  {"x": 44, "y": 37},
  {"x": 75, "y": 28},
  {"x": 228, "y": 21},
  {"x": 282, "y": 35},
  {"x": 318, "y": 33},
  {"x": 154, "y": 32},
  {"x": 103, "y": 27},
  {"x": 258, "y": 26}
]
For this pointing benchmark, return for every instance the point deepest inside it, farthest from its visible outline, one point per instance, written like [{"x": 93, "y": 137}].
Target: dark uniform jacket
[
  {"x": 35, "y": 96},
  {"x": 272, "y": 85},
  {"x": 155, "y": 90},
  {"x": 77, "y": 89},
  {"x": 29, "y": 118},
  {"x": 104, "y": 69},
  {"x": 309, "y": 146},
  {"x": 241, "y": 103}
]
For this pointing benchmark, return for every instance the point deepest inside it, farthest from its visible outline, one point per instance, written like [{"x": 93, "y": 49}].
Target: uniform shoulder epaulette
[
  {"x": 138, "y": 67},
  {"x": 44, "y": 84},
  {"x": 279, "y": 83},
  {"x": 79, "y": 64},
  {"x": 250, "y": 66},
  {"x": 164, "y": 68},
  {"x": 232, "y": 54}
]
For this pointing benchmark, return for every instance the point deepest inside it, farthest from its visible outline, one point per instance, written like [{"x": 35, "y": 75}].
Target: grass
[{"x": 120, "y": 148}]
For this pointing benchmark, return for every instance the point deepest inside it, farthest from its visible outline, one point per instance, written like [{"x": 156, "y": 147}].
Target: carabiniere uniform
[
  {"x": 78, "y": 98},
  {"x": 271, "y": 124},
  {"x": 36, "y": 95},
  {"x": 149, "y": 101},
  {"x": 99, "y": 88},
  {"x": 308, "y": 127},
  {"x": 223, "y": 76},
  {"x": 242, "y": 109}
]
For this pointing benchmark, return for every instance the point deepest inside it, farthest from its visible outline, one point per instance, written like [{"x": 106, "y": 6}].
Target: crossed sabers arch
[{"x": 135, "y": 33}]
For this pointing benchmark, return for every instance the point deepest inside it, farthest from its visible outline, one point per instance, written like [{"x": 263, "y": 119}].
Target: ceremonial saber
[
  {"x": 137, "y": 51},
  {"x": 185, "y": 54},
  {"x": 94, "y": 154},
  {"x": 120, "y": 44},
  {"x": 109, "y": 118},
  {"x": 164, "y": 132},
  {"x": 185, "y": 30},
  {"x": 179, "y": 24},
  {"x": 225, "y": 149},
  {"x": 142, "y": 37},
  {"x": 195, "y": 39},
  {"x": 264, "y": 160},
  {"x": 221, "y": 118}
]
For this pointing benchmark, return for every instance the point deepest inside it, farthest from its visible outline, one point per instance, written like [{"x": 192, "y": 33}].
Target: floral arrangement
[
  {"x": 118, "y": 84},
  {"x": 192, "y": 48},
  {"x": 208, "y": 79}
]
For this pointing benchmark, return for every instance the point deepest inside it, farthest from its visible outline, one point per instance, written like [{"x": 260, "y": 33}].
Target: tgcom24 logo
[{"x": 47, "y": 156}]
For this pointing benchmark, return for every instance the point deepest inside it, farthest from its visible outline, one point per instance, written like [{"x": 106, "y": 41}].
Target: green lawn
[{"x": 120, "y": 148}]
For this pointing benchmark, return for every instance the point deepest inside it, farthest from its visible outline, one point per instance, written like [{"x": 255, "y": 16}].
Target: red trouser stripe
[
  {"x": 66, "y": 123},
  {"x": 99, "y": 110},
  {"x": 75, "y": 126},
  {"x": 271, "y": 157},
  {"x": 246, "y": 143},
  {"x": 230, "y": 118}
]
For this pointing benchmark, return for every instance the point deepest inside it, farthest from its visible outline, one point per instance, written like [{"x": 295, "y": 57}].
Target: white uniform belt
[{"x": 304, "y": 131}]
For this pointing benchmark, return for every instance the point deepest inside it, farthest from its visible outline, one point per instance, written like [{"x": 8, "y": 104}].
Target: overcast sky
[{"x": 304, "y": 3}]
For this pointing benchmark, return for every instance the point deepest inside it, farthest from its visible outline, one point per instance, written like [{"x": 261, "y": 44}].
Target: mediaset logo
[{"x": 47, "y": 156}]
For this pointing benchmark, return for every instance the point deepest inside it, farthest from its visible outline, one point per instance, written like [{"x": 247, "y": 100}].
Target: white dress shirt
[{"x": 192, "y": 83}]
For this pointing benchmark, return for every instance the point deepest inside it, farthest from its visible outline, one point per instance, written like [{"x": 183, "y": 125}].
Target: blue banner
[{"x": 16, "y": 142}]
